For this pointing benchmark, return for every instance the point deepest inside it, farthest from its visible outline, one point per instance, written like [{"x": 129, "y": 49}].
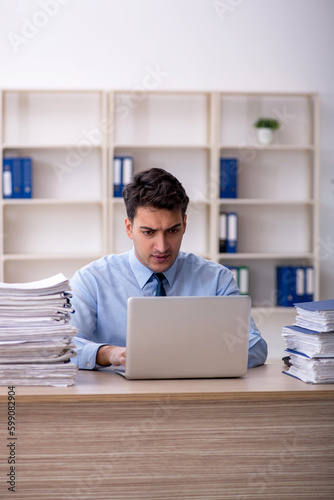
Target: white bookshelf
[
  {"x": 64, "y": 225},
  {"x": 73, "y": 217},
  {"x": 277, "y": 202}
]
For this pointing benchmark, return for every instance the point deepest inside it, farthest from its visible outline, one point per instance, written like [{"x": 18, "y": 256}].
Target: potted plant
[{"x": 266, "y": 128}]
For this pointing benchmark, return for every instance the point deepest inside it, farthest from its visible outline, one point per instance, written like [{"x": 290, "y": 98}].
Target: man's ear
[
  {"x": 184, "y": 223},
  {"x": 128, "y": 228}
]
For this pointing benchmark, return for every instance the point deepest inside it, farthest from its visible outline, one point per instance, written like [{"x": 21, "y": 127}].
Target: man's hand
[{"x": 111, "y": 355}]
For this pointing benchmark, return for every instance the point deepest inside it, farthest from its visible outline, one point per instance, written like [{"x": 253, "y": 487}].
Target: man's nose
[{"x": 161, "y": 243}]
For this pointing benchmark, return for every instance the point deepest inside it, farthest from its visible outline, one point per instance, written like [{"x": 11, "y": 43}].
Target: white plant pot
[{"x": 265, "y": 135}]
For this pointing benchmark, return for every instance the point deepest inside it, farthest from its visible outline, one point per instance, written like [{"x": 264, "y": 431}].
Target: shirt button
[{"x": 88, "y": 365}]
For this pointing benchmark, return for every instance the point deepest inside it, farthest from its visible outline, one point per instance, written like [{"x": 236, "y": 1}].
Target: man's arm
[
  {"x": 86, "y": 352},
  {"x": 257, "y": 347},
  {"x": 90, "y": 354},
  {"x": 111, "y": 355}
]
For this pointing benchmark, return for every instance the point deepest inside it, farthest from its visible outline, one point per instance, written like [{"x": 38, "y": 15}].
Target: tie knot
[
  {"x": 159, "y": 276},
  {"x": 160, "y": 288}
]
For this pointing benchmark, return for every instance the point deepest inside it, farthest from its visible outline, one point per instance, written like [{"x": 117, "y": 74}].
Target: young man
[{"x": 156, "y": 205}]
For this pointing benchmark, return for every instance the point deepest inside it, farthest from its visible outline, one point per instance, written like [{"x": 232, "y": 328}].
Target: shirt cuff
[
  {"x": 257, "y": 352},
  {"x": 86, "y": 354}
]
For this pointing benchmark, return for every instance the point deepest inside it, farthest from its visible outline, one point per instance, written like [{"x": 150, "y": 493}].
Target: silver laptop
[{"x": 187, "y": 337}]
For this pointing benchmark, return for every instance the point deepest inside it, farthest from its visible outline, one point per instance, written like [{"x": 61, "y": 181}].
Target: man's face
[{"x": 157, "y": 235}]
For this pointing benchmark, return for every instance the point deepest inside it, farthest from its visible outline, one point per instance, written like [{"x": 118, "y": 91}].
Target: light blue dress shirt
[{"x": 101, "y": 289}]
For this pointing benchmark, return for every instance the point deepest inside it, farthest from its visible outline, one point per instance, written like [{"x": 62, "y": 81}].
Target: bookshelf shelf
[
  {"x": 258, "y": 255},
  {"x": 162, "y": 146},
  {"x": 268, "y": 147},
  {"x": 45, "y": 201},
  {"x": 250, "y": 201},
  {"x": 51, "y": 256},
  {"x": 30, "y": 147},
  {"x": 74, "y": 217}
]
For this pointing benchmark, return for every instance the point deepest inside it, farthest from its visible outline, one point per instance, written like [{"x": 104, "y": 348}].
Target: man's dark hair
[{"x": 154, "y": 188}]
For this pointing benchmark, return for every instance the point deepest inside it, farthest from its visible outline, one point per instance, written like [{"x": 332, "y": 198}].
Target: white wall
[{"x": 284, "y": 45}]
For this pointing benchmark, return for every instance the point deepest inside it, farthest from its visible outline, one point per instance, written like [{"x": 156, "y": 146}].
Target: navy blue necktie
[{"x": 161, "y": 292}]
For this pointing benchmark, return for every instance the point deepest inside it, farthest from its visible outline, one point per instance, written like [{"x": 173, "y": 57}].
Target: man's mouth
[{"x": 160, "y": 257}]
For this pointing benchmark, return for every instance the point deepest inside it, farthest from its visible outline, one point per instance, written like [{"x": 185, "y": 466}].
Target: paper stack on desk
[
  {"x": 310, "y": 342},
  {"x": 317, "y": 316},
  {"x": 35, "y": 335}
]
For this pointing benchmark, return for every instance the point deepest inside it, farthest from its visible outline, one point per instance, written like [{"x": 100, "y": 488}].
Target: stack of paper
[
  {"x": 35, "y": 335},
  {"x": 317, "y": 316},
  {"x": 310, "y": 342},
  {"x": 313, "y": 344}
]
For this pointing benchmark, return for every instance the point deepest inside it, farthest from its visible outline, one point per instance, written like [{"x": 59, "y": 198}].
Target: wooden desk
[{"x": 266, "y": 436}]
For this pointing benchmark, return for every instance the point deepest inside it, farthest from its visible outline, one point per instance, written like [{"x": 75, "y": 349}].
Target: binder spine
[
  {"x": 222, "y": 232},
  {"x": 309, "y": 284},
  {"x": 16, "y": 178},
  {"x": 243, "y": 280},
  {"x": 118, "y": 165},
  {"x": 300, "y": 285},
  {"x": 127, "y": 170},
  {"x": 7, "y": 181},
  {"x": 26, "y": 166},
  {"x": 284, "y": 278},
  {"x": 228, "y": 177},
  {"x": 232, "y": 232}
]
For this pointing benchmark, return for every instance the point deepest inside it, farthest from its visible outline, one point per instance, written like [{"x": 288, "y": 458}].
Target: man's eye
[
  {"x": 147, "y": 233},
  {"x": 174, "y": 231}
]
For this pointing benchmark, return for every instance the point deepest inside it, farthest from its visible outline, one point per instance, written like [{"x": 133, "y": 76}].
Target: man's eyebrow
[{"x": 168, "y": 229}]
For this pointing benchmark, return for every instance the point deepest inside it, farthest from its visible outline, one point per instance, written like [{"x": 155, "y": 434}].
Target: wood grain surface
[{"x": 164, "y": 447}]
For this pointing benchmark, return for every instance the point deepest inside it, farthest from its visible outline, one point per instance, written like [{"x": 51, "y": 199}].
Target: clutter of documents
[
  {"x": 36, "y": 339},
  {"x": 310, "y": 342}
]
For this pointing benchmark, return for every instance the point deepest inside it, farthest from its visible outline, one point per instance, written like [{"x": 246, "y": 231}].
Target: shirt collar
[{"x": 143, "y": 273}]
